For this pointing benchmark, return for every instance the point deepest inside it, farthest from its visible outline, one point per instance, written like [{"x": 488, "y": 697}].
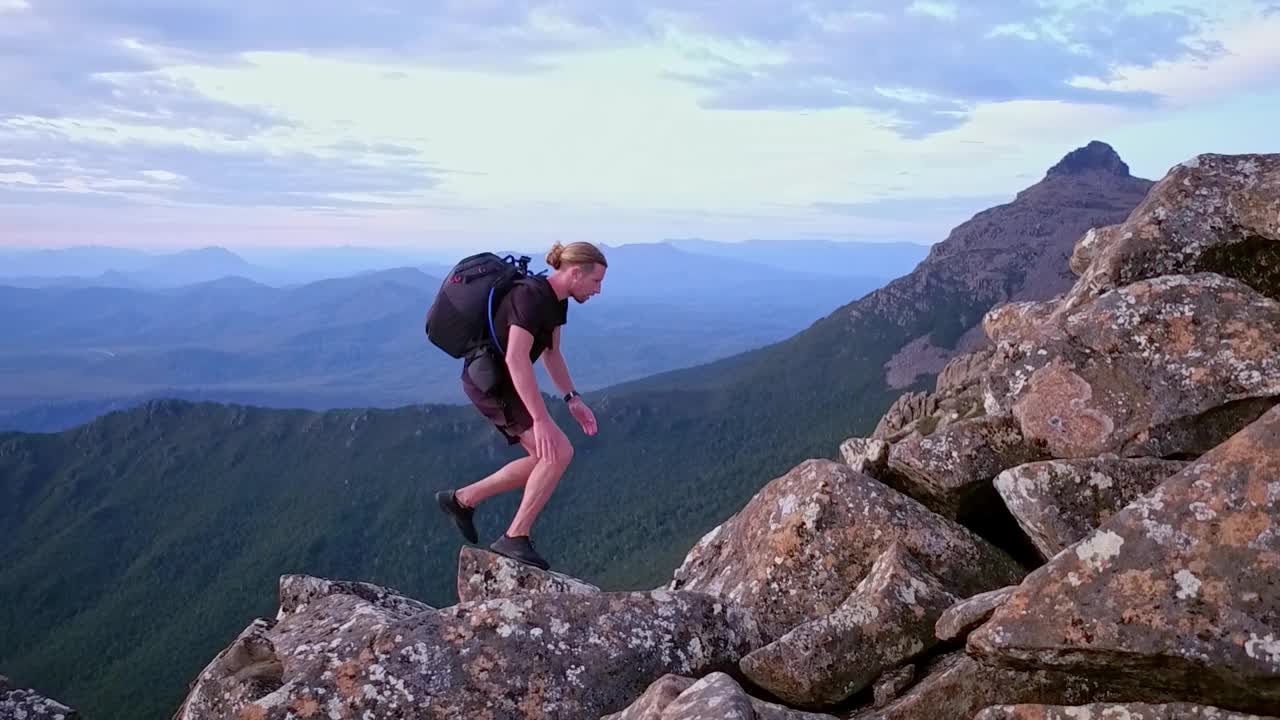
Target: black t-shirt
[{"x": 532, "y": 305}]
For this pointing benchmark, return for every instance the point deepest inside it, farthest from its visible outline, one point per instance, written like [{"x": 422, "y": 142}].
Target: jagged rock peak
[{"x": 1094, "y": 157}]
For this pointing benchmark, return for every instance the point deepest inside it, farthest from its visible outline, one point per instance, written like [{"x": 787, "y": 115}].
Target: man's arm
[
  {"x": 553, "y": 360},
  {"x": 519, "y": 341}
]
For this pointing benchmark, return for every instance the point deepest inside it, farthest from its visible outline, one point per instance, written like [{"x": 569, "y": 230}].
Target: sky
[{"x": 467, "y": 123}]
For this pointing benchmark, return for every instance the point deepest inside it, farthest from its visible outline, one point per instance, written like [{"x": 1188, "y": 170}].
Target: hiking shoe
[
  {"x": 461, "y": 515},
  {"x": 519, "y": 548}
]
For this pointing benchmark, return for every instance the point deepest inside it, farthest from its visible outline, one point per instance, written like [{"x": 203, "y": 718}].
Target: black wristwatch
[{"x": 571, "y": 395}]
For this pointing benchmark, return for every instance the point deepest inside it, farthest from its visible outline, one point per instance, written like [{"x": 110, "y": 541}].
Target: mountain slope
[{"x": 1016, "y": 251}]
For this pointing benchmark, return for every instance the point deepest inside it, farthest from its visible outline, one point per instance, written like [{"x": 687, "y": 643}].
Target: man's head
[{"x": 582, "y": 267}]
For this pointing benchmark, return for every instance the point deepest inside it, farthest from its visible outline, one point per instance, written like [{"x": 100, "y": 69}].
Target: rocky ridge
[{"x": 1128, "y": 425}]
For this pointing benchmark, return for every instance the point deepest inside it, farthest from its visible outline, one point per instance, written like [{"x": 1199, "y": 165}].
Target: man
[{"x": 529, "y": 318}]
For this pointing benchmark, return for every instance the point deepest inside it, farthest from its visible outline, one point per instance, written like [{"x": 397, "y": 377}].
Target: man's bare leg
[
  {"x": 541, "y": 483},
  {"x": 509, "y": 477}
]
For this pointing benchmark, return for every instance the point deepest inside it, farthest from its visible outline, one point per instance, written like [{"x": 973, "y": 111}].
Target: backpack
[{"x": 460, "y": 319}]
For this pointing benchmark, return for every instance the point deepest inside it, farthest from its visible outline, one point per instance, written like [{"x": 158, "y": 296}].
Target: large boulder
[
  {"x": 1058, "y": 502},
  {"x": 1213, "y": 213},
  {"x": 886, "y": 621},
  {"x": 1165, "y": 367},
  {"x": 542, "y": 655},
  {"x": 1113, "y": 711},
  {"x": 807, "y": 538},
  {"x": 1179, "y": 591},
  {"x": 483, "y": 575},
  {"x": 950, "y": 471}
]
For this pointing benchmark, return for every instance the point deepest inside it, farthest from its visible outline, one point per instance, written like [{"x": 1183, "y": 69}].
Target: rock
[
  {"x": 1012, "y": 323},
  {"x": 866, "y": 455},
  {"x": 891, "y": 684},
  {"x": 246, "y": 671},
  {"x": 904, "y": 414},
  {"x": 886, "y": 621},
  {"x": 957, "y": 397},
  {"x": 483, "y": 575},
  {"x": 27, "y": 704},
  {"x": 950, "y": 471},
  {"x": 806, "y": 539},
  {"x": 964, "y": 616},
  {"x": 1214, "y": 213},
  {"x": 1058, "y": 502},
  {"x": 655, "y": 700},
  {"x": 1166, "y": 367},
  {"x": 542, "y": 655},
  {"x": 298, "y": 591},
  {"x": 1112, "y": 711},
  {"x": 715, "y": 697},
  {"x": 1179, "y": 591},
  {"x": 958, "y": 686},
  {"x": 963, "y": 372}
]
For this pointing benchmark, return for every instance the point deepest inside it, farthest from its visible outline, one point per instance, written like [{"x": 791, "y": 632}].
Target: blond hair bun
[
  {"x": 576, "y": 253},
  {"x": 553, "y": 256}
]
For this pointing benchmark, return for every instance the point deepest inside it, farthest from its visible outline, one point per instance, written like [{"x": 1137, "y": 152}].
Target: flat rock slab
[{"x": 1180, "y": 590}]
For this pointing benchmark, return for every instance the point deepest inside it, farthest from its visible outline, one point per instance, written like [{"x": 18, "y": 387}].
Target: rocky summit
[{"x": 1081, "y": 520}]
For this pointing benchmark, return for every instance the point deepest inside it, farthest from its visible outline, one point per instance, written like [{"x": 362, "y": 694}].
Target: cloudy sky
[{"x": 445, "y": 122}]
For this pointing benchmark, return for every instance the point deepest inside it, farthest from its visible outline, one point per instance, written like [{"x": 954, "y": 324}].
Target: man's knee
[{"x": 564, "y": 455}]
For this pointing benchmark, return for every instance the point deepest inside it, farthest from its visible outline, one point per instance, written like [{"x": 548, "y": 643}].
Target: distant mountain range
[
  {"x": 89, "y": 266},
  {"x": 74, "y": 350}
]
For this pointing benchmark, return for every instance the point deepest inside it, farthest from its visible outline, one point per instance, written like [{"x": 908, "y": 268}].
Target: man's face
[{"x": 587, "y": 281}]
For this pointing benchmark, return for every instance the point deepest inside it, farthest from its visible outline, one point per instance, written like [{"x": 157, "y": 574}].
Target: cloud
[
  {"x": 928, "y": 65},
  {"x": 53, "y": 167},
  {"x": 923, "y": 66}
]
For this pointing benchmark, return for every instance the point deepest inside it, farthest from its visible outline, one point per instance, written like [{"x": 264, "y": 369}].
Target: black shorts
[{"x": 502, "y": 405}]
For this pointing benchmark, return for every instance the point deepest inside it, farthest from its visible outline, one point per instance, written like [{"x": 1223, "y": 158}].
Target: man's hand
[
  {"x": 548, "y": 439},
  {"x": 583, "y": 415}
]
